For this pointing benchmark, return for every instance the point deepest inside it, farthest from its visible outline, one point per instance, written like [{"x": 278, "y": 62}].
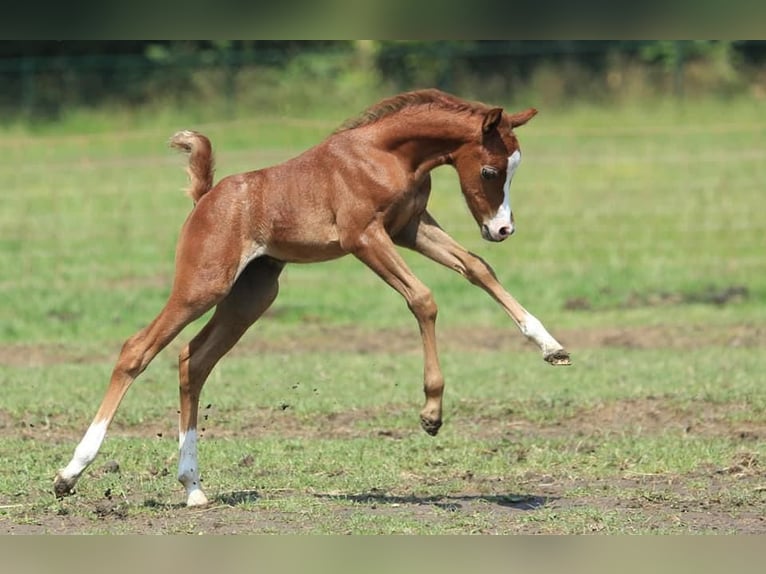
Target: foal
[{"x": 362, "y": 191}]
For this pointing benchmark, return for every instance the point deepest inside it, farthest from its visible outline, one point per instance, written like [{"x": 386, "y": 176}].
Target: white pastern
[
  {"x": 534, "y": 329},
  {"x": 86, "y": 451},
  {"x": 503, "y": 217},
  {"x": 188, "y": 468}
]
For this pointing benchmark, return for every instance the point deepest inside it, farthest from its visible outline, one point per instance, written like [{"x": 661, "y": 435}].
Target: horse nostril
[{"x": 505, "y": 231}]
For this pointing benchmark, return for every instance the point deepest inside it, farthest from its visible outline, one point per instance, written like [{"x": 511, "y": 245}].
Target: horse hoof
[
  {"x": 62, "y": 487},
  {"x": 196, "y": 499},
  {"x": 560, "y": 357},
  {"x": 431, "y": 427}
]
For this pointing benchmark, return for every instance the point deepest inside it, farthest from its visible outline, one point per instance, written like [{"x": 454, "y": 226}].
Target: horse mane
[{"x": 391, "y": 105}]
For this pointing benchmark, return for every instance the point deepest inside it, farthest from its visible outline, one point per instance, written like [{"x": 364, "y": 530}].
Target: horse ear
[
  {"x": 491, "y": 120},
  {"x": 520, "y": 118}
]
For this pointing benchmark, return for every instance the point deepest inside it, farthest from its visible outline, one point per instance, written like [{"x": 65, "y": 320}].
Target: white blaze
[{"x": 503, "y": 216}]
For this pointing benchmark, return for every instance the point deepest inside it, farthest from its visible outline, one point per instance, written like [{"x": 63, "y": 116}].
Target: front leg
[
  {"x": 376, "y": 250},
  {"x": 426, "y": 237}
]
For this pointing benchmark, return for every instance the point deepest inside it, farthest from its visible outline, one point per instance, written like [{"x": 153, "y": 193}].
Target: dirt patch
[
  {"x": 682, "y": 337},
  {"x": 319, "y": 338},
  {"x": 639, "y": 416},
  {"x": 708, "y": 295},
  {"x": 37, "y": 355},
  {"x": 700, "y": 502},
  {"x": 351, "y": 339},
  {"x": 729, "y": 498},
  {"x": 653, "y": 416}
]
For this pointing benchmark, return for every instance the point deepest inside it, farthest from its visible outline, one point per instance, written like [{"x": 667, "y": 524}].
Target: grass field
[{"x": 640, "y": 245}]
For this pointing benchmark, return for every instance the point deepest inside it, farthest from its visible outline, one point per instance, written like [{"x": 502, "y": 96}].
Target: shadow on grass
[
  {"x": 229, "y": 498},
  {"x": 157, "y": 505},
  {"x": 238, "y": 497},
  {"x": 450, "y": 502},
  {"x": 447, "y": 502}
]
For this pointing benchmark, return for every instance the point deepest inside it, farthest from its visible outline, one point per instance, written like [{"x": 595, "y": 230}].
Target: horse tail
[{"x": 201, "y": 164}]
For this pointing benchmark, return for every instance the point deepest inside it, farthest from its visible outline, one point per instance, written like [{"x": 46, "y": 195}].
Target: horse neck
[{"x": 426, "y": 140}]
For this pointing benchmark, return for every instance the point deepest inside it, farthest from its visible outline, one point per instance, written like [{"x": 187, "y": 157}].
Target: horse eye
[{"x": 488, "y": 172}]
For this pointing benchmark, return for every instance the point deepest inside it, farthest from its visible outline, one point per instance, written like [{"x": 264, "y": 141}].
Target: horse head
[{"x": 486, "y": 166}]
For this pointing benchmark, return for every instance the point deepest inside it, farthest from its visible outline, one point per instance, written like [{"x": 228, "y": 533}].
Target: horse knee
[{"x": 479, "y": 272}]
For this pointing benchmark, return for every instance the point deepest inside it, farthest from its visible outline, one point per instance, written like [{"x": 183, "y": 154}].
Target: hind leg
[
  {"x": 253, "y": 293},
  {"x": 205, "y": 272},
  {"x": 136, "y": 354}
]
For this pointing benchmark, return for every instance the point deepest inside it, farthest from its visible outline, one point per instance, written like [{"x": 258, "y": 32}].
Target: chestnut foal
[{"x": 362, "y": 191}]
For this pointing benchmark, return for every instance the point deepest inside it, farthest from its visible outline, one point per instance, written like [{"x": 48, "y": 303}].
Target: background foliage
[{"x": 46, "y": 80}]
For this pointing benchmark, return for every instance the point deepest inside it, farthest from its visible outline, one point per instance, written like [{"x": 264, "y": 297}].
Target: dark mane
[{"x": 394, "y": 104}]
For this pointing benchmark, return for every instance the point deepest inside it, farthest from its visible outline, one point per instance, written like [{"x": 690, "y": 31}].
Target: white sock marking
[
  {"x": 534, "y": 329},
  {"x": 188, "y": 468},
  {"x": 86, "y": 451}
]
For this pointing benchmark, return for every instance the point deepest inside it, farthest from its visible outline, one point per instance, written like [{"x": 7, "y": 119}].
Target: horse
[{"x": 363, "y": 191}]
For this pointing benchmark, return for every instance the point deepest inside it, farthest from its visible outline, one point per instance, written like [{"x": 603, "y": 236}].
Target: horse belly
[{"x": 305, "y": 252}]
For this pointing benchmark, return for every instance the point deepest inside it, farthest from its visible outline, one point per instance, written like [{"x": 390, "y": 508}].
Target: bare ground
[
  {"x": 317, "y": 337},
  {"x": 699, "y": 501},
  {"x": 664, "y": 502},
  {"x": 661, "y": 502}
]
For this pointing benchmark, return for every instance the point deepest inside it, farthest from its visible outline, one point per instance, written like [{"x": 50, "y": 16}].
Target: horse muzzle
[{"x": 497, "y": 233}]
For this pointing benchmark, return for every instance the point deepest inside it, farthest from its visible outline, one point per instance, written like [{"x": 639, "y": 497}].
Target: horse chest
[{"x": 408, "y": 205}]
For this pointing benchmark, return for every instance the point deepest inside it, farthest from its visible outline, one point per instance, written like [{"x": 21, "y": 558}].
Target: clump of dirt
[
  {"x": 108, "y": 507},
  {"x": 746, "y": 464}
]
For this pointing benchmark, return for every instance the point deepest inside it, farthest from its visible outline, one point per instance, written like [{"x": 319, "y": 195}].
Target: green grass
[{"x": 637, "y": 213}]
